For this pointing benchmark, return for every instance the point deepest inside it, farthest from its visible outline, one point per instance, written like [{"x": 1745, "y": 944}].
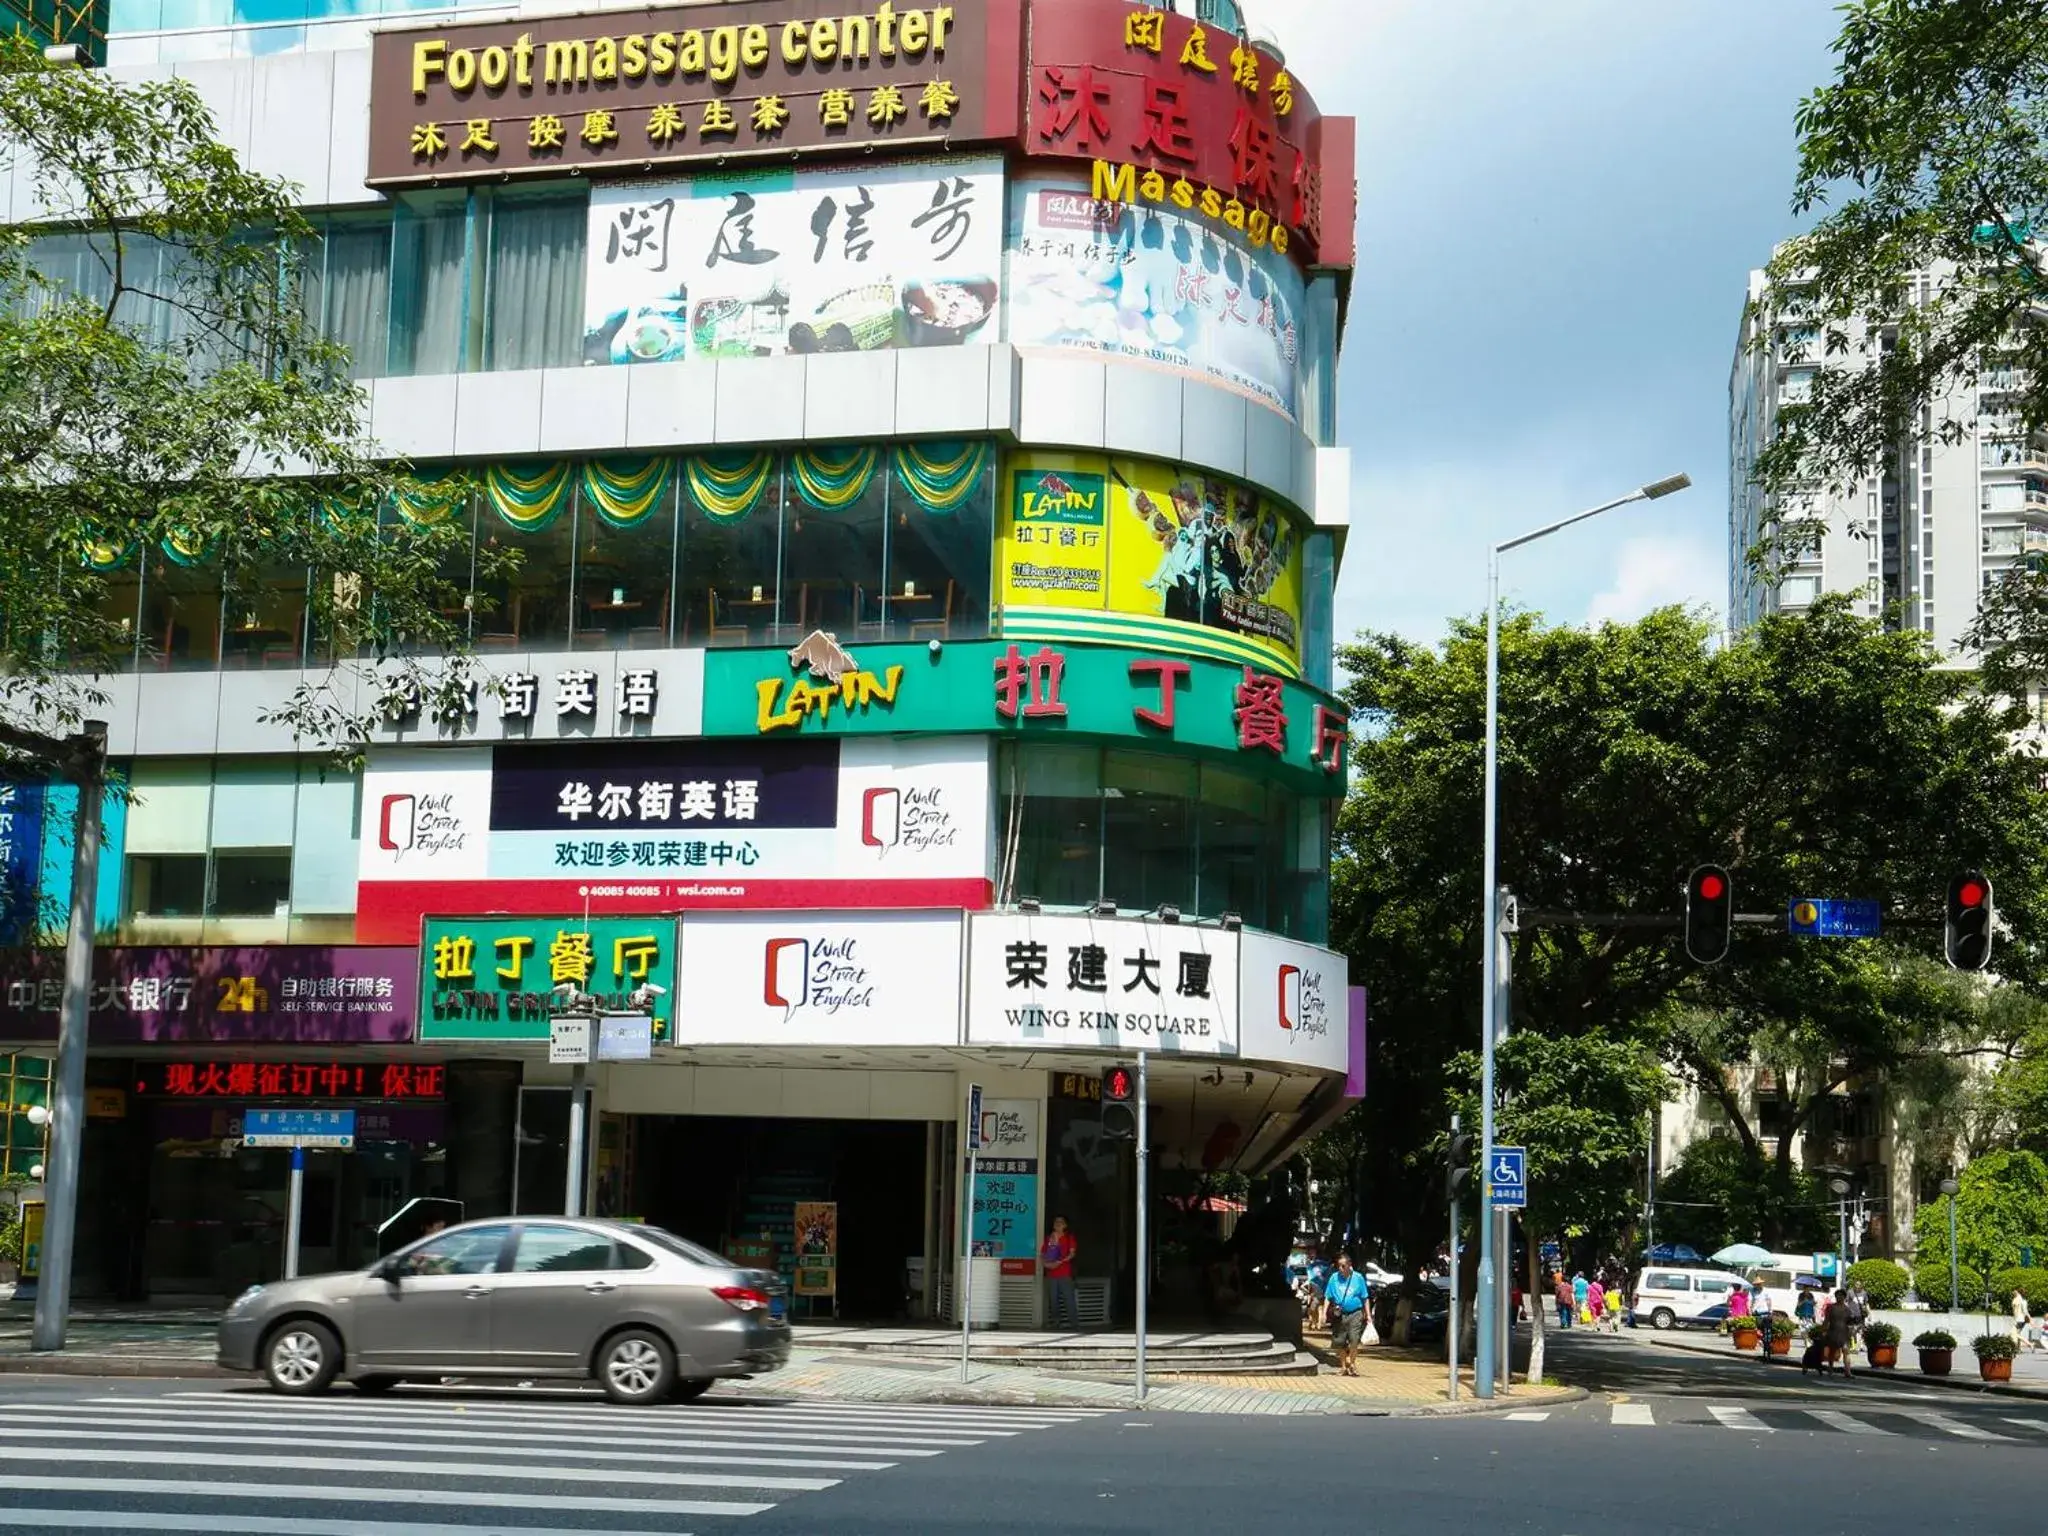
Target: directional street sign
[
  {"x": 1506, "y": 1178},
  {"x": 299, "y": 1128},
  {"x": 1833, "y": 917}
]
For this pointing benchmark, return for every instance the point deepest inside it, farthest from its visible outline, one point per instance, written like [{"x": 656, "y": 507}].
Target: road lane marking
[
  {"x": 1739, "y": 1418},
  {"x": 335, "y": 1493},
  {"x": 1947, "y": 1425},
  {"x": 1635, "y": 1414},
  {"x": 260, "y": 1525},
  {"x": 1529, "y": 1416},
  {"x": 2039, "y": 1425},
  {"x": 1847, "y": 1423}
]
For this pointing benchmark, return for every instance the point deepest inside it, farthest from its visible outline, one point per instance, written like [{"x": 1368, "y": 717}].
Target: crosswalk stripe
[
  {"x": 1739, "y": 1418},
  {"x": 1529, "y": 1416},
  {"x": 330, "y": 1493},
  {"x": 552, "y": 1474},
  {"x": 1634, "y": 1413},
  {"x": 1847, "y": 1423},
  {"x": 1947, "y": 1425},
  {"x": 262, "y": 1525},
  {"x": 111, "y": 1436},
  {"x": 949, "y": 1419},
  {"x": 2038, "y": 1425},
  {"x": 474, "y": 1434}
]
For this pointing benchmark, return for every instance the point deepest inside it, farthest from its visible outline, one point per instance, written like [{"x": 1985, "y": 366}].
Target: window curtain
[
  {"x": 355, "y": 292},
  {"x": 534, "y": 310},
  {"x": 429, "y": 315}
]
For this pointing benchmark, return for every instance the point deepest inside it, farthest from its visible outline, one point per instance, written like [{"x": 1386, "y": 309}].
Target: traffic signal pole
[
  {"x": 1144, "y": 1227},
  {"x": 1451, "y": 1327}
]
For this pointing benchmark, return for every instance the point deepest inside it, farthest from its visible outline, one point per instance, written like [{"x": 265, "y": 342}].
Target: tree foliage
[
  {"x": 1815, "y": 755},
  {"x": 2001, "y": 1208},
  {"x": 1722, "y": 1191},
  {"x": 171, "y": 391}
]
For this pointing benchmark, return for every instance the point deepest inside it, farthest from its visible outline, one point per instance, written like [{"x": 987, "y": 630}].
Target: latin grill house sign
[{"x": 632, "y": 90}]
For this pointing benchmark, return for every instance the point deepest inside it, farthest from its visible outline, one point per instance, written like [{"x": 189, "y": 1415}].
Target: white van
[{"x": 1669, "y": 1296}]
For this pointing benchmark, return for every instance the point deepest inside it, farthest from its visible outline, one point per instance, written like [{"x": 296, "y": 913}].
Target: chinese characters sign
[
  {"x": 279, "y": 993},
  {"x": 1178, "y": 114},
  {"x": 626, "y": 89},
  {"x": 21, "y": 858},
  {"x": 493, "y": 978},
  {"x": 1170, "y": 555},
  {"x": 1006, "y": 1184},
  {"x": 830, "y": 261},
  {"x": 1157, "y": 286},
  {"x": 1093, "y": 983},
  {"x": 408, "y": 1080}
]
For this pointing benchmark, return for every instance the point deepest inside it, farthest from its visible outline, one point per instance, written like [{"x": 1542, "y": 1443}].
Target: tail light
[{"x": 742, "y": 1298}]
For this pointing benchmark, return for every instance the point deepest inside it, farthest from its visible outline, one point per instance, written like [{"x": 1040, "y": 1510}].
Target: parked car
[
  {"x": 1428, "y": 1318},
  {"x": 1681, "y": 1298},
  {"x": 649, "y": 1315}
]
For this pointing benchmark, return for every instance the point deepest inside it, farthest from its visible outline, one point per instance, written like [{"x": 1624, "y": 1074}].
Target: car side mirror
[{"x": 389, "y": 1271}]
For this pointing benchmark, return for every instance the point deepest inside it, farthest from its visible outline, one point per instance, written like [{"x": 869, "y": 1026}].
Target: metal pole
[
  {"x": 1503, "y": 1247},
  {"x": 1955, "y": 1281},
  {"x": 579, "y": 1132},
  {"x": 1489, "y": 928},
  {"x": 1144, "y": 1227},
  {"x": 67, "y": 1088},
  {"x": 294, "y": 1204},
  {"x": 967, "y": 1260},
  {"x": 1451, "y": 1329}
]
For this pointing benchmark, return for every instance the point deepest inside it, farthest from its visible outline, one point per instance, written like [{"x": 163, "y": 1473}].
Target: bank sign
[
  {"x": 1293, "y": 1003},
  {"x": 662, "y": 826},
  {"x": 820, "y": 979},
  {"x": 1091, "y": 983}
]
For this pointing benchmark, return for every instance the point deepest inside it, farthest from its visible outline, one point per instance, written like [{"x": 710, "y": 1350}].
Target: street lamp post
[
  {"x": 1487, "y": 1302},
  {"x": 1950, "y": 1187},
  {"x": 1841, "y": 1188}
]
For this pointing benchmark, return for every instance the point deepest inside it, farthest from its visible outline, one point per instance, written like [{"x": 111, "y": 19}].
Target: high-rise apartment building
[{"x": 1916, "y": 541}]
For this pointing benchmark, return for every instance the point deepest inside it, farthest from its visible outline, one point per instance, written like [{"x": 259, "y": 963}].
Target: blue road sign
[
  {"x": 974, "y": 1117},
  {"x": 1506, "y": 1178},
  {"x": 299, "y": 1128},
  {"x": 1833, "y": 917}
]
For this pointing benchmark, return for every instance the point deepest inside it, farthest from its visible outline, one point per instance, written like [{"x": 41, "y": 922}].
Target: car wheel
[
  {"x": 1663, "y": 1320},
  {"x": 301, "y": 1358},
  {"x": 375, "y": 1386},
  {"x": 690, "y": 1389},
  {"x": 636, "y": 1367}
]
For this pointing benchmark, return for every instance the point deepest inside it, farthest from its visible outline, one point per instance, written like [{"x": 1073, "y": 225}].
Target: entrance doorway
[{"x": 717, "y": 1181}]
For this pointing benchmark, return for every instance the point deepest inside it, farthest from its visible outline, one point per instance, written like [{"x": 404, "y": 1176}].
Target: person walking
[
  {"x": 2019, "y": 1316},
  {"x": 1614, "y": 1309},
  {"x": 1347, "y": 1294},
  {"x": 1804, "y": 1310},
  {"x": 1859, "y": 1314},
  {"x": 1060, "y": 1249},
  {"x": 1580, "y": 1286},
  {"x": 1561, "y": 1293},
  {"x": 1838, "y": 1330},
  {"x": 1596, "y": 1304}
]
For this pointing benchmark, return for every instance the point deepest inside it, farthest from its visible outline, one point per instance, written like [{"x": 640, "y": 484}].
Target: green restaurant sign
[
  {"x": 492, "y": 978},
  {"x": 1030, "y": 689}
]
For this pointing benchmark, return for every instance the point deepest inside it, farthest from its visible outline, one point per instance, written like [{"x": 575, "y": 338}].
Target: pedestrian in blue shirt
[{"x": 1347, "y": 1294}]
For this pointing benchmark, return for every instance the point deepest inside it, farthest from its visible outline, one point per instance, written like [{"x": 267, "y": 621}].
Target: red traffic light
[
  {"x": 1971, "y": 893},
  {"x": 1118, "y": 1086},
  {"x": 1712, "y": 886}
]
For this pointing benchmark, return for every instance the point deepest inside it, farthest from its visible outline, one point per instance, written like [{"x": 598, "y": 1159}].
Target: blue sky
[{"x": 1559, "y": 205}]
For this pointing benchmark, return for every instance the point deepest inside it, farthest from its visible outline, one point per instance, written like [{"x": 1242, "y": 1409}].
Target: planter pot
[
  {"x": 1935, "y": 1362},
  {"x": 1781, "y": 1346},
  {"x": 1747, "y": 1338},
  {"x": 1884, "y": 1356},
  {"x": 1995, "y": 1370}
]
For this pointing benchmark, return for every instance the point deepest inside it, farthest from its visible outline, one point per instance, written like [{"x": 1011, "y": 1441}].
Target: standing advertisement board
[{"x": 1006, "y": 1178}]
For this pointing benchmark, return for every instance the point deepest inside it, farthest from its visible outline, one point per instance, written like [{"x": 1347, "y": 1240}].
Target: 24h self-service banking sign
[{"x": 660, "y": 826}]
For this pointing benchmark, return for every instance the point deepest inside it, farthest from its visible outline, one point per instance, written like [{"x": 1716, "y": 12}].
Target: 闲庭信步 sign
[
  {"x": 1101, "y": 983},
  {"x": 494, "y": 978},
  {"x": 625, "y": 89}
]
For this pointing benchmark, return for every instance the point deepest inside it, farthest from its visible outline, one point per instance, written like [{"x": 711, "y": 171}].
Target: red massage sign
[{"x": 1170, "y": 111}]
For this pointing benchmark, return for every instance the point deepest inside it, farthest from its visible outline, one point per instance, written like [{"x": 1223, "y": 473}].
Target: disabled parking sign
[{"x": 1506, "y": 1178}]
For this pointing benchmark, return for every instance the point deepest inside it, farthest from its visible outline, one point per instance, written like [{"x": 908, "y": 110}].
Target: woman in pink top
[{"x": 1596, "y": 1303}]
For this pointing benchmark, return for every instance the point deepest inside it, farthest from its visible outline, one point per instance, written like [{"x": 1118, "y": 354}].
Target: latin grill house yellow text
[{"x": 717, "y": 54}]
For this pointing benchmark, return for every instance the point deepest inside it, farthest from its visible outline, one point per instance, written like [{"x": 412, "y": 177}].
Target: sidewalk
[
  {"x": 131, "y": 1342},
  {"x": 2027, "y": 1383}
]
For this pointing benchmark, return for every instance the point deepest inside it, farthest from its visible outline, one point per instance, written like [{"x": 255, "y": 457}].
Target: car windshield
[{"x": 661, "y": 1237}]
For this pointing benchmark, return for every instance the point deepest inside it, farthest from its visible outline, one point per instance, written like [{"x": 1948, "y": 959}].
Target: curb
[
  {"x": 1469, "y": 1407},
  {"x": 58, "y": 1363},
  {"x": 1896, "y": 1377}
]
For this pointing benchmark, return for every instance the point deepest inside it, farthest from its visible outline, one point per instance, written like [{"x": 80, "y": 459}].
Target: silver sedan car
[{"x": 649, "y": 1315}]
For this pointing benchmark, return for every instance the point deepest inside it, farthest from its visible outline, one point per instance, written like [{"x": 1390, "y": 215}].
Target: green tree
[
  {"x": 1723, "y": 1190},
  {"x": 170, "y": 392},
  {"x": 2001, "y": 1208}
]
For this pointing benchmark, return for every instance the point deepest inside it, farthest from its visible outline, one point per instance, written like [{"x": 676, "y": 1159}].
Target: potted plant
[
  {"x": 1745, "y": 1331},
  {"x": 1783, "y": 1330},
  {"x": 1882, "y": 1341},
  {"x": 1937, "y": 1350},
  {"x": 1994, "y": 1355}
]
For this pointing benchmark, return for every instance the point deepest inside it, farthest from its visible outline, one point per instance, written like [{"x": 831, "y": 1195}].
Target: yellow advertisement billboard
[{"x": 1145, "y": 553}]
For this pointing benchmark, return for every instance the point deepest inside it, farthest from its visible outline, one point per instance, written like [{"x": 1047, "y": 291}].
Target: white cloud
[{"x": 1653, "y": 573}]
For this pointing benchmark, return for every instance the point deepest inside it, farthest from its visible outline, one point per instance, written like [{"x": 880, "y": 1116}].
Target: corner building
[{"x": 916, "y": 424}]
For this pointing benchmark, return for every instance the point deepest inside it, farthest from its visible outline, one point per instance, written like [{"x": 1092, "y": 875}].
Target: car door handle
[
  {"x": 600, "y": 1287},
  {"x": 475, "y": 1293}
]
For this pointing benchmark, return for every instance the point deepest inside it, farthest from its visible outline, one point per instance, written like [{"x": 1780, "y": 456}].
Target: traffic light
[
  {"x": 1119, "y": 1104},
  {"x": 1967, "y": 937},
  {"x": 1458, "y": 1165},
  {"x": 1709, "y": 913}
]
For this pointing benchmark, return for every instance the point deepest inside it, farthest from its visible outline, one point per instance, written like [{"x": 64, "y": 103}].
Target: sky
[{"x": 1560, "y": 202}]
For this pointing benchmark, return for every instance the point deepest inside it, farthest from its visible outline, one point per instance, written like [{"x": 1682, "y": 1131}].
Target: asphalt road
[{"x": 1697, "y": 1450}]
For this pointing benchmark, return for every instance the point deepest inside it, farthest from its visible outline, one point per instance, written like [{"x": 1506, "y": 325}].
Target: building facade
[
  {"x": 917, "y": 430},
  {"x": 1914, "y": 543}
]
